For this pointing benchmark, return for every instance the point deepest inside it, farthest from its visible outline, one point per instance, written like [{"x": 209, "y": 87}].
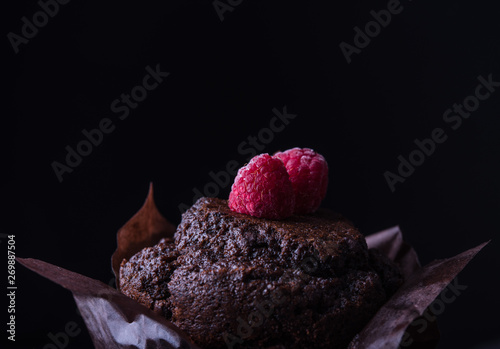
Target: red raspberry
[
  {"x": 262, "y": 189},
  {"x": 308, "y": 173}
]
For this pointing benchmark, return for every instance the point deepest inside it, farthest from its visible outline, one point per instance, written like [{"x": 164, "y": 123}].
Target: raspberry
[
  {"x": 308, "y": 173},
  {"x": 262, "y": 189}
]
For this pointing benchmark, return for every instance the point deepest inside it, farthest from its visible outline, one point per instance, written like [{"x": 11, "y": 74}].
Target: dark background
[{"x": 225, "y": 79}]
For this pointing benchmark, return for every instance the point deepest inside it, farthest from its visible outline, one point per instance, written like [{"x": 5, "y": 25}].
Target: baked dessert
[{"x": 232, "y": 280}]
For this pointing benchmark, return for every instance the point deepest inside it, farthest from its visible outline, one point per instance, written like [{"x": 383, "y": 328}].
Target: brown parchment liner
[{"x": 116, "y": 321}]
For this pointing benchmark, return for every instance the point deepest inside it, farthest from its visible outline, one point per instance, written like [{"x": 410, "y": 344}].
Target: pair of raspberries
[{"x": 278, "y": 186}]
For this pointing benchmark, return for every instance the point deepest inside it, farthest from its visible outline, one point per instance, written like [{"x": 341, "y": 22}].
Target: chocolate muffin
[{"x": 236, "y": 281}]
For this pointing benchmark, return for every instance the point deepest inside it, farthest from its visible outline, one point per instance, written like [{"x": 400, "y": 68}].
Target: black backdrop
[{"x": 226, "y": 77}]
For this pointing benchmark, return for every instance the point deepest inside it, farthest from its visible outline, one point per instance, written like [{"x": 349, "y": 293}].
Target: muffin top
[
  {"x": 327, "y": 237},
  {"x": 314, "y": 273}
]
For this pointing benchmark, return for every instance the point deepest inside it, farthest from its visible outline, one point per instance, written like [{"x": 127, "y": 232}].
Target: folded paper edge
[
  {"x": 393, "y": 341},
  {"x": 84, "y": 286},
  {"x": 158, "y": 228}
]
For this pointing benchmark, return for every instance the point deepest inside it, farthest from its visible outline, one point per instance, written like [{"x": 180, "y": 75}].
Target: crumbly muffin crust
[{"x": 232, "y": 280}]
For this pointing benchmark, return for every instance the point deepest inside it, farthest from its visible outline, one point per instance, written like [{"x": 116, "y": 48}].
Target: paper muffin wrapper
[{"x": 116, "y": 321}]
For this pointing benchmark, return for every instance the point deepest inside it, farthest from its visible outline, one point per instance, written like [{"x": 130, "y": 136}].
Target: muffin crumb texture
[{"x": 230, "y": 280}]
